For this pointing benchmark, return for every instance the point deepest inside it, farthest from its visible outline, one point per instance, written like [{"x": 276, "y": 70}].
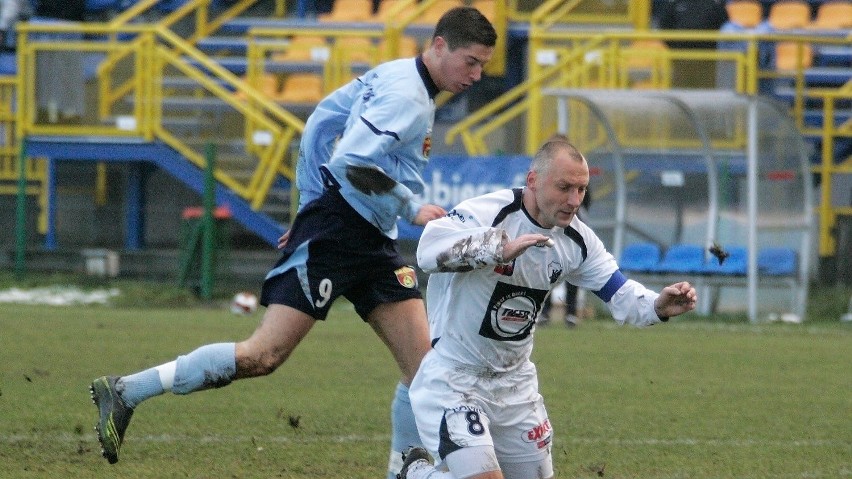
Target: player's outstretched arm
[
  {"x": 427, "y": 213},
  {"x": 516, "y": 247},
  {"x": 675, "y": 299}
]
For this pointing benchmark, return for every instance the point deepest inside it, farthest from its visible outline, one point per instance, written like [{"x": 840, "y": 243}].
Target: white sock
[
  {"x": 424, "y": 470},
  {"x": 167, "y": 374}
]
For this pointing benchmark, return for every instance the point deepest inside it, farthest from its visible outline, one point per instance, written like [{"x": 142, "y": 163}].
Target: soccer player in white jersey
[
  {"x": 361, "y": 161},
  {"x": 493, "y": 260}
]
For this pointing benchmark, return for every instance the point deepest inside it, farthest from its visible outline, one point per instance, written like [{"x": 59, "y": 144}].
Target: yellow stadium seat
[
  {"x": 301, "y": 88},
  {"x": 407, "y": 49},
  {"x": 349, "y": 11},
  {"x": 434, "y": 12},
  {"x": 386, "y": 7},
  {"x": 789, "y": 14},
  {"x": 833, "y": 15},
  {"x": 487, "y": 8},
  {"x": 645, "y": 62},
  {"x": 358, "y": 50},
  {"x": 745, "y": 13},
  {"x": 268, "y": 85},
  {"x": 787, "y": 54},
  {"x": 303, "y": 48}
]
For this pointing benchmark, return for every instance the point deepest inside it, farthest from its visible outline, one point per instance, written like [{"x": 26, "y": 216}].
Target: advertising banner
[{"x": 452, "y": 179}]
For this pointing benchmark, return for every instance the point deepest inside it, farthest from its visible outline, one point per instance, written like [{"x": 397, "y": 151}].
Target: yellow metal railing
[
  {"x": 829, "y": 167},
  {"x": 584, "y": 60},
  {"x": 196, "y": 12},
  {"x": 632, "y": 14},
  {"x": 492, "y": 117},
  {"x": 35, "y": 168},
  {"x": 150, "y": 54}
]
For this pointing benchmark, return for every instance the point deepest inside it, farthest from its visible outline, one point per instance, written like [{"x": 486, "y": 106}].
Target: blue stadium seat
[
  {"x": 735, "y": 264},
  {"x": 639, "y": 257},
  {"x": 682, "y": 258},
  {"x": 8, "y": 64},
  {"x": 101, "y": 5},
  {"x": 168, "y": 6},
  {"x": 776, "y": 261}
]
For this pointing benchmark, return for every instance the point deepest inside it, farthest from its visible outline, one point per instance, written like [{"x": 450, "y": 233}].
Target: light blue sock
[
  {"x": 138, "y": 387},
  {"x": 403, "y": 429},
  {"x": 211, "y": 366}
]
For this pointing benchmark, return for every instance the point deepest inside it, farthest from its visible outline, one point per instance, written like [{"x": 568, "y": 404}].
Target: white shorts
[{"x": 458, "y": 407}]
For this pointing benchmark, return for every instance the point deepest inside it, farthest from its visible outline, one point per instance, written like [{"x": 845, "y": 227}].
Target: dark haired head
[{"x": 464, "y": 26}]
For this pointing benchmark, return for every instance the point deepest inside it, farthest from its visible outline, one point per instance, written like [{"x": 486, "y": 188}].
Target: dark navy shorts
[{"x": 332, "y": 251}]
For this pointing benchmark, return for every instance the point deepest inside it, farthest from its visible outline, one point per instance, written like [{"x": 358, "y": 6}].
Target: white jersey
[
  {"x": 373, "y": 137},
  {"x": 482, "y": 313}
]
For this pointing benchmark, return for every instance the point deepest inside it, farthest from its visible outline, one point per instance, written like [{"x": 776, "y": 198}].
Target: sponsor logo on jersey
[
  {"x": 511, "y": 312},
  {"x": 406, "y": 277},
  {"x": 540, "y": 434},
  {"x": 453, "y": 214}
]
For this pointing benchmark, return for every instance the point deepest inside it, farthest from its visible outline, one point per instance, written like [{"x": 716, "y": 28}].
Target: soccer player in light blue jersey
[{"x": 361, "y": 161}]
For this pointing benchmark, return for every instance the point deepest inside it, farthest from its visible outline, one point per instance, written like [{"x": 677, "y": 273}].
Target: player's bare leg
[
  {"x": 212, "y": 365},
  {"x": 405, "y": 330},
  {"x": 403, "y": 327},
  {"x": 278, "y": 334}
]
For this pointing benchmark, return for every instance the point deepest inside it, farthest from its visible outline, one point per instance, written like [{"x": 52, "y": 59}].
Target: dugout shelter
[{"x": 675, "y": 172}]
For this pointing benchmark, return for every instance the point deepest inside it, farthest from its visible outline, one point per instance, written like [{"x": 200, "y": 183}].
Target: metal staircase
[{"x": 152, "y": 105}]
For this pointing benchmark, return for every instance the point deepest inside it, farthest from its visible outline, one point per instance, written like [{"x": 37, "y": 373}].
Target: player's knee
[{"x": 252, "y": 361}]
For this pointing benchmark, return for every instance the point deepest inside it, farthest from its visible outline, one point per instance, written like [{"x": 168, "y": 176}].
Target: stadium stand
[
  {"x": 736, "y": 263},
  {"x": 792, "y": 55},
  {"x": 647, "y": 64},
  {"x": 269, "y": 85},
  {"x": 301, "y": 88},
  {"x": 434, "y": 12},
  {"x": 303, "y": 48},
  {"x": 777, "y": 261},
  {"x": 833, "y": 15},
  {"x": 358, "y": 50},
  {"x": 408, "y": 47},
  {"x": 789, "y": 14},
  {"x": 487, "y": 7},
  {"x": 349, "y": 11},
  {"x": 689, "y": 259},
  {"x": 745, "y": 13},
  {"x": 681, "y": 258},
  {"x": 387, "y": 7},
  {"x": 640, "y": 257}
]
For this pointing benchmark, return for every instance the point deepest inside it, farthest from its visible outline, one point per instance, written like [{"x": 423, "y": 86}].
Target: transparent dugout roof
[{"x": 690, "y": 166}]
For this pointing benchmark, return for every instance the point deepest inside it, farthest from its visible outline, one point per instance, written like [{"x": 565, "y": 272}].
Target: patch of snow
[{"x": 57, "y": 296}]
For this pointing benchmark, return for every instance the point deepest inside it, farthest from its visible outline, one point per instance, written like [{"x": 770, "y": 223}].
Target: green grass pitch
[{"x": 692, "y": 399}]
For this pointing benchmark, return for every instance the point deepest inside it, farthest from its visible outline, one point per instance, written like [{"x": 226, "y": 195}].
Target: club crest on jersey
[
  {"x": 406, "y": 277},
  {"x": 427, "y": 146},
  {"x": 554, "y": 271}
]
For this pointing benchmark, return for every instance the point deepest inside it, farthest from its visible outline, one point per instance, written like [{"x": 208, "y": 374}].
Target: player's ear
[
  {"x": 439, "y": 44},
  {"x": 531, "y": 177}
]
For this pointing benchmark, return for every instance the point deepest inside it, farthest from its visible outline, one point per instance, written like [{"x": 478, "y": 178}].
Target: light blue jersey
[{"x": 372, "y": 136}]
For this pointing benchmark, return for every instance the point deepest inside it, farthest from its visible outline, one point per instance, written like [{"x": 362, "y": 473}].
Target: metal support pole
[
  {"x": 751, "y": 178},
  {"x": 21, "y": 214},
  {"x": 207, "y": 260}
]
